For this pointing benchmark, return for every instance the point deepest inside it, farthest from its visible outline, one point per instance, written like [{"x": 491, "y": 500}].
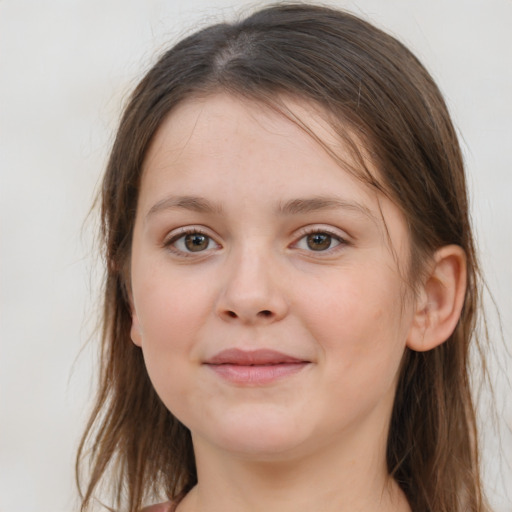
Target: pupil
[
  {"x": 319, "y": 241},
  {"x": 196, "y": 242}
]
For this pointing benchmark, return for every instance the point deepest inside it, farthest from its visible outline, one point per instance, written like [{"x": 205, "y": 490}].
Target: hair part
[{"x": 383, "y": 104}]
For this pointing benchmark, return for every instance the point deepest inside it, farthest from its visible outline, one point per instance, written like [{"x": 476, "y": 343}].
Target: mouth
[{"x": 254, "y": 367}]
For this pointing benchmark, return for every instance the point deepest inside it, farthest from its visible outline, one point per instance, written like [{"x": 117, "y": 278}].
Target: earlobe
[{"x": 440, "y": 300}]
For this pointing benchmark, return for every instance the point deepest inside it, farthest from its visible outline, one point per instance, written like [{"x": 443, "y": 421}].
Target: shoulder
[{"x": 160, "y": 507}]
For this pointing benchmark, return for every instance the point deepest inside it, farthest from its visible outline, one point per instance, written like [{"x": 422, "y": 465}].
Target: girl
[{"x": 291, "y": 279}]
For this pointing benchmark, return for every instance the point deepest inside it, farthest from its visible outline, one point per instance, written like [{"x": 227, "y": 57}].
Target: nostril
[{"x": 264, "y": 313}]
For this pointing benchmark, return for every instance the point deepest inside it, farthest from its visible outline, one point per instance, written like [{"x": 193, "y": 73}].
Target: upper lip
[{"x": 240, "y": 357}]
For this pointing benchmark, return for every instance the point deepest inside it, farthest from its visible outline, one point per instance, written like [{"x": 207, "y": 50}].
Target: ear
[
  {"x": 135, "y": 330},
  {"x": 440, "y": 300}
]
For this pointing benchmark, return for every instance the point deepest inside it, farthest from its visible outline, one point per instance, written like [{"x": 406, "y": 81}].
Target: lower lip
[{"x": 255, "y": 375}]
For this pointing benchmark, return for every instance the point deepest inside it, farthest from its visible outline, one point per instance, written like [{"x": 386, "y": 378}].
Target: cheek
[
  {"x": 360, "y": 326},
  {"x": 169, "y": 305}
]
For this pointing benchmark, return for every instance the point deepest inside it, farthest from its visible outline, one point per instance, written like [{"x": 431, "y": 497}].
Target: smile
[{"x": 255, "y": 367}]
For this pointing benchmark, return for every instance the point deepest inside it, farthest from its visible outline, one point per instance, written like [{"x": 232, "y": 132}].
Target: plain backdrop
[{"x": 66, "y": 68}]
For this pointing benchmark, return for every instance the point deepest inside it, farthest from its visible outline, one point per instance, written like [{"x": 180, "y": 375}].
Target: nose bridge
[{"x": 252, "y": 290}]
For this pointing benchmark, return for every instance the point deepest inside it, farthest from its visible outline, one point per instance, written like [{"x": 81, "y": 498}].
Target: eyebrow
[
  {"x": 292, "y": 207},
  {"x": 192, "y": 203},
  {"x": 320, "y": 203}
]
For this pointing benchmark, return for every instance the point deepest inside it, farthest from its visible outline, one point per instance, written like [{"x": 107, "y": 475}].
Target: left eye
[{"x": 319, "y": 241}]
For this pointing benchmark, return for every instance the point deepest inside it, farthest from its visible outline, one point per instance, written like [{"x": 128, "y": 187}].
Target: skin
[{"x": 315, "y": 439}]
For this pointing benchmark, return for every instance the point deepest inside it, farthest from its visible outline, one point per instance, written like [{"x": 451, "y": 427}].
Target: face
[{"x": 266, "y": 295}]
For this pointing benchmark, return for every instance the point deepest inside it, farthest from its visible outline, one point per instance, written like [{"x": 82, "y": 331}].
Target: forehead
[
  {"x": 225, "y": 131},
  {"x": 202, "y": 116}
]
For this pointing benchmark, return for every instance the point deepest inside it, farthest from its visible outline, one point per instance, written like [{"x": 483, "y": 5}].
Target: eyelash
[{"x": 183, "y": 232}]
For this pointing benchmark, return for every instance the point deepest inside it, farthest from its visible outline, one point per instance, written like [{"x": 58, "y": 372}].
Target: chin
[{"x": 259, "y": 437}]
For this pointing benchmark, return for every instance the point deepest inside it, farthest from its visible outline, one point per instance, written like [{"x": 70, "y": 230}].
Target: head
[{"x": 372, "y": 97}]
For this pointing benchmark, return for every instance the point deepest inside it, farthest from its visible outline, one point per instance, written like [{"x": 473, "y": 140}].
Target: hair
[{"x": 376, "y": 93}]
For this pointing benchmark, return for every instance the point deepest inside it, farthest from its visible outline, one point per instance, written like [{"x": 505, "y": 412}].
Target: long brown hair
[{"x": 365, "y": 80}]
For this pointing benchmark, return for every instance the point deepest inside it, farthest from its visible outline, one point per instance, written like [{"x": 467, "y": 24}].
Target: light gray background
[{"x": 65, "y": 68}]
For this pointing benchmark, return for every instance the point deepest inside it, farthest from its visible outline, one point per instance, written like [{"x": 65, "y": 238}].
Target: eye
[
  {"x": 191, "y": 241},
  {"x": 319, "y": 241}
]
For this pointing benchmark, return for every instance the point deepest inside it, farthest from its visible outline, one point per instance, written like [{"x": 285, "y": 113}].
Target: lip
[{"x": 254, "y": 367}]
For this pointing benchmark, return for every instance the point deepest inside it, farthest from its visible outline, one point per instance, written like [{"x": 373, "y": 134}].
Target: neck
[{"x": 352, "y": 477}]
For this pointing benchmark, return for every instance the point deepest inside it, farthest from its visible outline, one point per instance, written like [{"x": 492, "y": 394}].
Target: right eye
[{"x": 191, "y": 241}]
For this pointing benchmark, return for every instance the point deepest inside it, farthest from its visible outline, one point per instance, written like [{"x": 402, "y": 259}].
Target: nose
[{"x": 253, "y": 291}]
